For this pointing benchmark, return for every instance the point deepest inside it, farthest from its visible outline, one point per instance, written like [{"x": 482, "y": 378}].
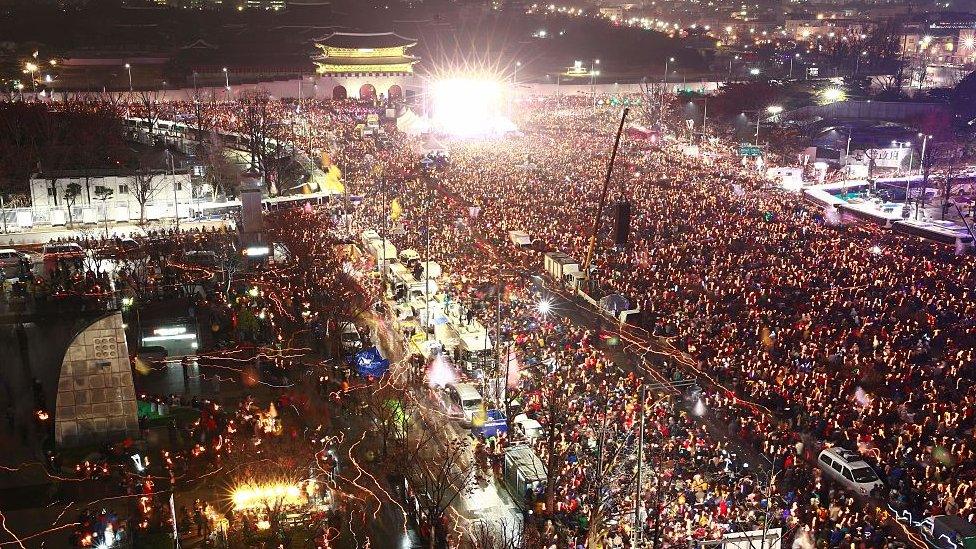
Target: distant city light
[{"x": 754, "y": 72}]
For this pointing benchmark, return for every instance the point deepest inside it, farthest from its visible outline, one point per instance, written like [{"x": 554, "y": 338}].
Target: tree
[
  {"x": 149, "y": 100},
  {"x": 222, "y": 174},
  {"x": 387, "y": 411},
  {"x": 439, "y": 468},
  {"x": 71, "y": 193},
  {"x": 104, "y": 194},
  {"x": 148, "y": 178},
  {"x": 254, "y": 122}
]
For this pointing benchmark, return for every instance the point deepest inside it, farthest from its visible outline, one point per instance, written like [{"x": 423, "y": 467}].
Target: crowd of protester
[{"x": 803, "y": 333}]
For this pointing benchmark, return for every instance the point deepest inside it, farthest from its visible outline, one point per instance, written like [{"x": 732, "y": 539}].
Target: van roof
[
  {"x": 467, "y": 391},
  {"x": 845, "y": 455}
]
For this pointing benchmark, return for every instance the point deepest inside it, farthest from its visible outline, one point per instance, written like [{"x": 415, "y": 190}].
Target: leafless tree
[
  {"x": 386, "y": 409},
  {"x": 255, "y": 122},
  {"x": 150, "y": 108},
  {"x": 222, "y": 174},
  {"x": 439, "y": 468}
]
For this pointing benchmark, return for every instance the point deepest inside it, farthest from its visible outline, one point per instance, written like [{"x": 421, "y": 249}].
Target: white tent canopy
[{"x": 411, "y": 124}]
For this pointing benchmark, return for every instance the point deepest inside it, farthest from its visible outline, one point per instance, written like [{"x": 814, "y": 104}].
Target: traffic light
[{"x": 621, "y": 223}]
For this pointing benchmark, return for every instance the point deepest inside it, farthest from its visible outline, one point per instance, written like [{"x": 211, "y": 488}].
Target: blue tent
[
  {"x": 495, "y": 424},
  {"x": 369, "y": 362}
]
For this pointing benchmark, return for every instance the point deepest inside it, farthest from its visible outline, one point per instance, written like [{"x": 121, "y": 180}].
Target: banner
[{"x": 890, "y": 157}]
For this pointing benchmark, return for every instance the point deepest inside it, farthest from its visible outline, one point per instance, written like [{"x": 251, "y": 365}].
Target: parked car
[
  {"x": 10, "y": 257},
  {"x": 66, "y": 250}
]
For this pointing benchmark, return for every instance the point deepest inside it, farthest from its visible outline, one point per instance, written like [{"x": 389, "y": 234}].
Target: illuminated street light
[
  {"x": 31, "y": 68},
  {"x": 774, "y": 109},
  {"x": 128, "y": 69},
  {"x": 833, "y": 95},
  {"x": 544, "y": 307},
  {"x": 754, "y": 71}
]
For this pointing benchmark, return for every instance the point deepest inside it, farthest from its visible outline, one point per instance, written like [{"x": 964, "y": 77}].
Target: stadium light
[{"x": 466, "y": 106}]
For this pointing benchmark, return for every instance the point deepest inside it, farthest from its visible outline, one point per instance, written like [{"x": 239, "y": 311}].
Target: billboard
[{"x": 890, "y": 157}]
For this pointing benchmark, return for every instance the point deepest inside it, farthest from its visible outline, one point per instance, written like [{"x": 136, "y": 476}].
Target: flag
[
  {"x": 142, "y": 366},
  {"x": 333, "y": 180},
  {"x": 395, "y": 209}
]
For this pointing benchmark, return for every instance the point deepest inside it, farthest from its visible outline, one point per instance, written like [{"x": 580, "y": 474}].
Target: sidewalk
[{"x": 43, "y": 234}]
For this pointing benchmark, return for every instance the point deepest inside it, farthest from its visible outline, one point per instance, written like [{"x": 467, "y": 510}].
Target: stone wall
[{"x": 96, "y": 401}]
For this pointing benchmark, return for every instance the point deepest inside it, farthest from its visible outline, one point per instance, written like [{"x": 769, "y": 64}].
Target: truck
[
  {"x": 563, "y": 269},
  {"x": 950, "y": 532}
]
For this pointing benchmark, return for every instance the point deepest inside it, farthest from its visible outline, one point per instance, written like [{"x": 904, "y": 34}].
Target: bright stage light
[{"x": 468, "y": 107}]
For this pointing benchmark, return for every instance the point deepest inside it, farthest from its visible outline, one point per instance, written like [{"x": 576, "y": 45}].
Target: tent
[
  {"x": 411, "y": 124},
  {"x": 614, "y": 304},
  {"x": 369, "y": 362}
]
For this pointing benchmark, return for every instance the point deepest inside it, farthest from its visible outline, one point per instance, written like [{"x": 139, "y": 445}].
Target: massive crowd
[{"x": 803, "y": 334}]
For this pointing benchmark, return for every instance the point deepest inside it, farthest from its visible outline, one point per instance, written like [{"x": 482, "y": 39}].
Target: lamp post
[
  {"x": 921, "y": 162},
  {"x": 593, "y": 72},
  {"x": 664, "y": 87},
  {"x": 227, "y": 83},
  {"x": 176, "y": 199},
  {"x": 857, "y": 62},
  {"x": 128, "y": 69},
  {"x": 511, "y": 108},
  {"x": 31, "y": 68},
  {"x": 773, "y": 110},
  {"x": 734, "y": 58}
]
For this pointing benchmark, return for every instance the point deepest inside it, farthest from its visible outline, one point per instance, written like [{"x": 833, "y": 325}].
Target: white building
[{"x": 50, "y": 203}]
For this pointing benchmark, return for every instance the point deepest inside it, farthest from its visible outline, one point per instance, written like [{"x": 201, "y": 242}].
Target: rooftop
[{"x": 360, "y": 40}]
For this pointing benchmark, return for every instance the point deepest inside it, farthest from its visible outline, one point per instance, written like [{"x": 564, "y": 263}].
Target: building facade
[
  {"x": 366, "y": 66},
  {"x": 51, "y": 201},
  {"x": 945, "y": 42}
]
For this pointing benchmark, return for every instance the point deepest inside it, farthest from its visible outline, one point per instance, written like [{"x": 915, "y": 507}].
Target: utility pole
[
  {"x": 638, "y": 527},
  {"x": 704, "y": 116},
  {"x": 176, "y": 198},
  {"x": 430, "y": 199}
]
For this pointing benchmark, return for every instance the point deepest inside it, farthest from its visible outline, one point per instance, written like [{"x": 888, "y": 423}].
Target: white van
[
  {"x": 349, "y": 338},
  {"x": 9, "y": 257},
  {"x": 849, "y": 470},
  {"x": 462, "y": 399}
]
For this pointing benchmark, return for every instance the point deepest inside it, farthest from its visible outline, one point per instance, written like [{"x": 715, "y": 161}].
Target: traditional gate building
[{"x": 366, "y": 66}]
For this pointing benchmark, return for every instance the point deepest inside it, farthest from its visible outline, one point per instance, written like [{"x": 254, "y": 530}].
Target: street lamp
[
  {"x": 833, "y": 95},
  {"x": 666, "y": 61},
  {"x": 128, "y": 69},
  {"x": 227, "y": 82},
  {"x": 754, "y": 71},
  {"x": 921, "y": 162},
  {"x": 31, "y": 68},
  {"x": 734, "y": 58},
  {"x": 857, "y": 62},
  {"x": 593, "y": 72}
]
